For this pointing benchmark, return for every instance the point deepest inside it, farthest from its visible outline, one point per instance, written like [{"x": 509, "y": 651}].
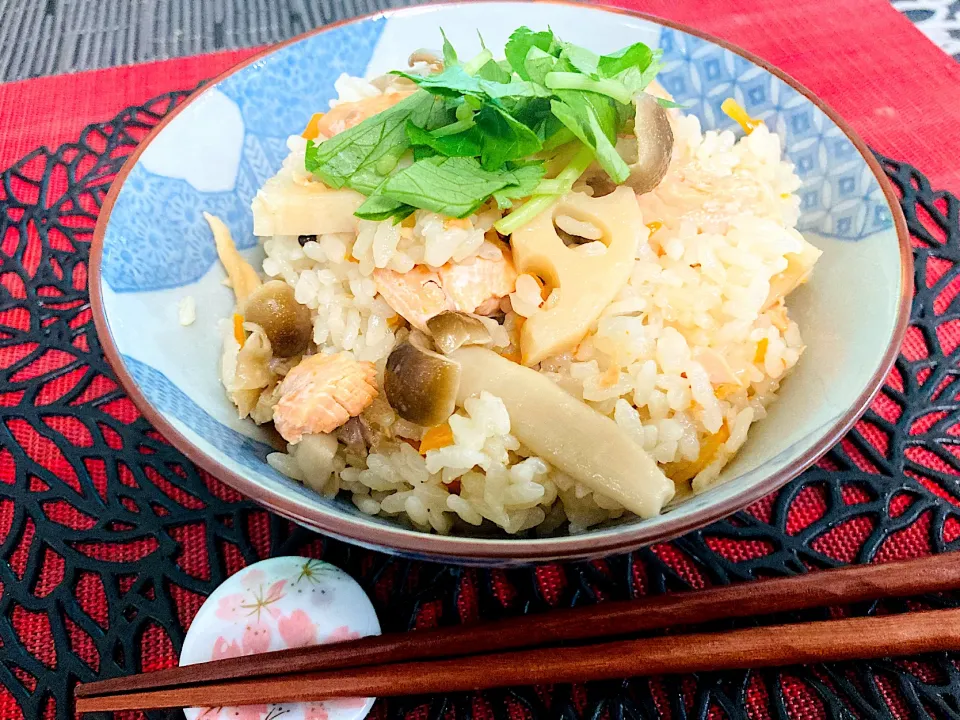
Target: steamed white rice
[{"x": 685, "y": 359}]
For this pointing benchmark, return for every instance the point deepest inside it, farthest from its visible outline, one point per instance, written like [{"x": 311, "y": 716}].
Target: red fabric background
[{"x": 896, "y": 88}]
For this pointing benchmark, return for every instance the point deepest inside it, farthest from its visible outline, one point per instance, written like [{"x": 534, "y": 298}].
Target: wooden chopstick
[
  {"x": 831, "y": 640},
  {"x": 817, "y": 589}
]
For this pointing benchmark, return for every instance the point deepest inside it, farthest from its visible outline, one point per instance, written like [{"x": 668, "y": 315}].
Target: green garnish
[{"x": 479, "y": 130}]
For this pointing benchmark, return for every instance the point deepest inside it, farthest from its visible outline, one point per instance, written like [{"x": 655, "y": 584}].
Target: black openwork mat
[{"x": 110, "y": 539}]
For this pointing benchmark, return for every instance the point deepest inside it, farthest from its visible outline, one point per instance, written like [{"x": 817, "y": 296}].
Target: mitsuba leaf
[
  {"x": 637, "y": 56},
  {"x": 449, "y": 54},
  {"x": 538, "y": 63},
  {"x": 527, "y": 178},
  {"x": 357, "y": 157},
  {"x": 520, "y": 43},
  {"x": 379, "y": 207},
  {"x": 582, "y": 120},
  {"x": 455, "y": 187},
  {"x": 494, "y": 72},
  {"x": 502, "y": 138},
  {"x": 464, "y": 144},
  {"x": 580, "y": 59}
]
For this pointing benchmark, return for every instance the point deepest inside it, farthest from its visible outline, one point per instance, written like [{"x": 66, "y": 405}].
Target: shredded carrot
[
  {"x": 761, "y": 350},
  {"x": 436, "y": 438},
  {"x": 312, "y": 129},
  {"x": 238, "y": 331},
  {"x": 684, "y": 470},
  {"x": 735, "y": 112},
  {"x": 512, "y": 356},
  {"x": 460, "y": 223},
  {"x": 654, "y": 226},
  {"x": 725, "y": 390},
  {"x": 610, "y": 376}
]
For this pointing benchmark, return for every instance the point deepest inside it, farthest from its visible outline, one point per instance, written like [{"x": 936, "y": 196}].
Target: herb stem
[
  {"x": 538, "y": 203},
  {"x": 454, "y": 127},
  {"x": 473, "y": 66},
  {"x": 576, "y": 81}
]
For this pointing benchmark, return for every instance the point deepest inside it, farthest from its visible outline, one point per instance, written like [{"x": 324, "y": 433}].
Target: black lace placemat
[{"x": 110, "y": 539}]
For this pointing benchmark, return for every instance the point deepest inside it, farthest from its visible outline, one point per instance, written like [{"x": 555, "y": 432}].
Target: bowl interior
[{"x": 216, "y": 152}]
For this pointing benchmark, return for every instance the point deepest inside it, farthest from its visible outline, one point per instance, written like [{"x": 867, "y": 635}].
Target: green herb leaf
[
  {"x": 669, "y": 103},
  {"x": 603, "y": 107},
  {"x": 637, "y": 80},
  {"x": 502, "y": 138},
  {"x": 637, "y": 56},
  {"x": 449, "y": 54},
  {"x": 520, "y": 43},
  {"x": 461, "y": 144},
  {"x": 379, "y": 207},
  {"x": 493, "y": 72},
  {"x": 455, "y": 187},
  {"x": 423, "y": 151},
  {"x": 580, "y": 59},
  {"x": 455, "y": 82},
  {"x": 352, "y": 158},
  {"x": 527, "y": 178},
  {"x": 584, "y": 122},
  {"x": 538, "y": 63},
  {"x": 450, "y": 82}
]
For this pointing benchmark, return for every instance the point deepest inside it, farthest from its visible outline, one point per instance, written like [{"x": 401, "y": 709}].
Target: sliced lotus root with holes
[{"x": 586, "y": 283}]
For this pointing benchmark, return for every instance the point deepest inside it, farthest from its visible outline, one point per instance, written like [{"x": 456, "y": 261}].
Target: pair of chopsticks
[{"x": 518, "y": 652}]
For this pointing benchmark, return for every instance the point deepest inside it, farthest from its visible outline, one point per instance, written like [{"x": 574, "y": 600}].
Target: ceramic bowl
[{"x": 152, "y": 248}]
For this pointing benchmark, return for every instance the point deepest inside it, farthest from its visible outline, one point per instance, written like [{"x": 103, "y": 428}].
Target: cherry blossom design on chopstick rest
[{"x": 276, "y": 604}]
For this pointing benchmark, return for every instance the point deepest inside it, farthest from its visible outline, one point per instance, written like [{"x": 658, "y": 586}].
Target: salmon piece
[
  {"x": 416, "y": 296},
  {"x": 478, "y": 283},
  {"x": 322, "y": 393},
  {"x": 346, "y": 115}
]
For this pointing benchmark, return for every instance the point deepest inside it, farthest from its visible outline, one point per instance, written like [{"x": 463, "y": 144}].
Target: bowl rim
[{"x": 493, "y": 551}]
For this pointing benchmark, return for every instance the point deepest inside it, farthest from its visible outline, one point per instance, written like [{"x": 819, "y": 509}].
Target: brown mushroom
[
  {"x": 425, "y": 56},
  {"x": 356, "y": 435},
  {"x": 451, "y": 330},
  {"x": 286, "y": 322},
  {"x": 654, "y": 145},
  {"x": 420, "y": 384}
]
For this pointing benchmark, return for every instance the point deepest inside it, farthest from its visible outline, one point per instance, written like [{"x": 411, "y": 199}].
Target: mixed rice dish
[{"x": 528, "y": 295}]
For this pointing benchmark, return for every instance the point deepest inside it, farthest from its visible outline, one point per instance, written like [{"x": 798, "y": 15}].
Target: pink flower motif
[
  {"x": 256, "y": 638},
  {"x": 209, "y": 714},
  {"x": 222, "y": 649},
  {"x": 231, "y": 607},
  {"x": 314, "y": 711},
  {"x": 274, "y": 593},
  {"x": 297, "y": 630},
  {"x": 252, "y": 579},
  {"x": 341, "y": 634}
]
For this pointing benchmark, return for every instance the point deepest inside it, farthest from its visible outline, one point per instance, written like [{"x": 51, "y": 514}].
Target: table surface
[
  {"x": 110, "y": 539},
  {"x": 70, "y": 35}
]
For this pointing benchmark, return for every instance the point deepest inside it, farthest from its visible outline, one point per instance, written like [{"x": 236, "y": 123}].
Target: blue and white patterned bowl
[{"x": 152, "y": 248}]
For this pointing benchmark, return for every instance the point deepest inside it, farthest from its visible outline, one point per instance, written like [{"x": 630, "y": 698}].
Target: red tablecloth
[
  {"x": 863, "y": 58},
  {"x": 896, "y": 88}
]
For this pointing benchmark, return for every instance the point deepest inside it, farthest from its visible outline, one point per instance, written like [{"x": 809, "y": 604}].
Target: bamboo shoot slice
[{"x": 569, "y": 434}]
